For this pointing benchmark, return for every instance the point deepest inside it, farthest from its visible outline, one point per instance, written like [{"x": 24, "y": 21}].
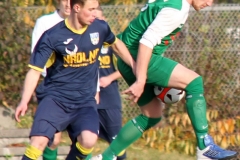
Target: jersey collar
[{"x": 74, "y": 30}]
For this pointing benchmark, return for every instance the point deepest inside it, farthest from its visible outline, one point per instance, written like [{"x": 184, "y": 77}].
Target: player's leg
[
  {"x": 184, "y": 78},
  {"x": 50, "y": 153},
  {"x": 110, "y": 125},
  {"x": 42, "y": 129},
  {"x": 151, "y": 114},
  {"x": 83, "y": 132}
]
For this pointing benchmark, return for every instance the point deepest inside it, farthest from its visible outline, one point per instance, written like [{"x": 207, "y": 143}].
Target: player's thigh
[
  {"x": 86, "y": 120},
  {"x": 49, "y": 119},
  {"x": 181, "y": 76},
  {"x": 160, "y": 70}
]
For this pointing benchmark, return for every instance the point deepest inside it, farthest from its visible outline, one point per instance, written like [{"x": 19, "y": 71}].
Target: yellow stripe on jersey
[
  {"x": 35, "y": 68},
  {"x": 105, "y": 44},
  {"x": 74, "y": 30},
  {"x": 114, "y": 58},
  {"x": 51, "y": 60}
]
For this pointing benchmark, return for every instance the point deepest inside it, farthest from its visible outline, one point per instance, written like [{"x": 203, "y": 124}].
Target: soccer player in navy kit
[
  {"x": 109, "y": 107},
  {"x": 66, "y": 97},
  {"x": 42, "y": 24}
]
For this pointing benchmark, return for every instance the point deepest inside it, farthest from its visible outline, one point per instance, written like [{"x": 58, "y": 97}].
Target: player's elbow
[
  {"x": 151, "y": 38},
  {"x": 116, "y": 45}
]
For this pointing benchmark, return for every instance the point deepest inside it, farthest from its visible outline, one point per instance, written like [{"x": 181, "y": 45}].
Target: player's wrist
[
  {"x": 23, "y": 102},
  {"x": 141, "y": 80}
]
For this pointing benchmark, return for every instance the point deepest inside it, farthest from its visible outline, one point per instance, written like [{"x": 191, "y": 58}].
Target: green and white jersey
[{"x": 157, "y": 25}]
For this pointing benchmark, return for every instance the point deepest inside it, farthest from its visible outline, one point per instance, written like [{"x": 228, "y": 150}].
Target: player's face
[
  {"x": 200, "y": 4},
  {"x": 64, "y": 8},
  {"x": 88, "y": 12},
  {"x": 99, "y": 15}
]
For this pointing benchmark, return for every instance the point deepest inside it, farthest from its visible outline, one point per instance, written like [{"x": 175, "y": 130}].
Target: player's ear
[{"x": 77, "y": 8}]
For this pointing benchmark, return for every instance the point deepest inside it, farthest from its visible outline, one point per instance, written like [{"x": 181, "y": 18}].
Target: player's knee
[
  {"x": 87, "y": 139},
  {"x": 195, "y": 86},
  {"x": 39, "y": 142},
  {"x": 55, "y": 143}
]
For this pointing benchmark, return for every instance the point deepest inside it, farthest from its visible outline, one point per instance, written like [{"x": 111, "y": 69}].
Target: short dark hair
[
  {"x": 73, "y": 2},
  {"x": 81, "y": 2}
]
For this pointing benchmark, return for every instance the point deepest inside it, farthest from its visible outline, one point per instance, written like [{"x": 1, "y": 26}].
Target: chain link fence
[{"x": 215, "y": 29}]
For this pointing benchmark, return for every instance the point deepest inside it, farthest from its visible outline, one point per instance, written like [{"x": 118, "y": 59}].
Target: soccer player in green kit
[{"x": 147, "y": 38}]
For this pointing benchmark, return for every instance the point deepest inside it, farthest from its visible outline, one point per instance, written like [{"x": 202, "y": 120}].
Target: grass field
[
  {"x": 138, "y": 152},
  {"x": 144, "y": 153}
]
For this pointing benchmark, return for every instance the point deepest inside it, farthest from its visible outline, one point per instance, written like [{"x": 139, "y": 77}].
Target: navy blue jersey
[
  {"x": 109, "y": 96},
  {"x": 71, "y": 60}
]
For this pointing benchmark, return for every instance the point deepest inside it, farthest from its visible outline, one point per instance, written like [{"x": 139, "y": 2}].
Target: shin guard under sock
[
  {"x": 196, "y": 108},
  {"x": 130, "y": 132}
]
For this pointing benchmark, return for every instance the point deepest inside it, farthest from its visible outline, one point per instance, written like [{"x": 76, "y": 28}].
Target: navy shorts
[
  {"x": 110, "y": 123},
  {"x": 52, "y": 117}
]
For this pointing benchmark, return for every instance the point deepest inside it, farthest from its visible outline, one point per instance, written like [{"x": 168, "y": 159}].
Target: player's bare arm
[
  {"x": 122, "y": 51},
  {"x": 30, "y": 84},
  {"x": 107, "y": 80},
  {"x": 143, "y": 58},
  {"x": 165, "y": 22}
]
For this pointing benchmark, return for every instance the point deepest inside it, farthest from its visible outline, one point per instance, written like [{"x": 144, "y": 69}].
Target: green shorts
[{"x": 159, "y": 71}]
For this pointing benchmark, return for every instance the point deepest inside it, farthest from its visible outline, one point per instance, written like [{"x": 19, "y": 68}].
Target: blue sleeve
[
  {"x": 41, "y": 53},
  {"x": 110, "y": 38}
]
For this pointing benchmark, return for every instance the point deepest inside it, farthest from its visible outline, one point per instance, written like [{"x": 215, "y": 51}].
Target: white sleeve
[
  {"x": 37, "y": 33},
  {"x": 167, "y": 20},
  {"x": 98, "y": 84}
]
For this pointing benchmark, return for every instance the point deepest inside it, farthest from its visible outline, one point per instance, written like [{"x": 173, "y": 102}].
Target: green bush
[{"x": 14, "y": 53}]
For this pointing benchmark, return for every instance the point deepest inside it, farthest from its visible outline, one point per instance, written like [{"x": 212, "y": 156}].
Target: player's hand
[
  {"x": 20, "y": 111},
  {"x": 134, "y": 91},
  {"x": 105, "y": 81}
]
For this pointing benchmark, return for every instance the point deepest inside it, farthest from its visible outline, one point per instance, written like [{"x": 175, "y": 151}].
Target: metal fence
[{"x": 215, "y": 30}]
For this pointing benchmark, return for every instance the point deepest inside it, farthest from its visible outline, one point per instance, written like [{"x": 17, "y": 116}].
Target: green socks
[
  {"x": 130, "y": 132},
  {"x": 127, "y": 135},
  {"x": 49, "y": 154},
  {"x": 196, "y": 108}
]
